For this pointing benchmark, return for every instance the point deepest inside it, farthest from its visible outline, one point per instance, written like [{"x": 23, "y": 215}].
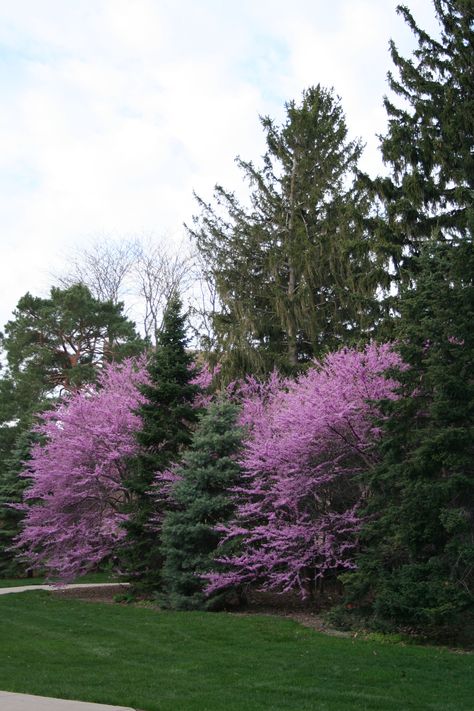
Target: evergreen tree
[
  {"x": 417, "y": 562},
  {"x": 293, "y": 270},
  {"x": 12, "y": 486},
  {"x": 167, "y": 418},
  {"x": 59, "y": 342},
  {"x": 202, "y": 497},
  {"x": 429, "y": 143}
]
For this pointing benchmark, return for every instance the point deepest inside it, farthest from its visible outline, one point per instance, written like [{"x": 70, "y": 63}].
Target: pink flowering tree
[
  {"x": 72, "y": 507},
  {"x": 297, "y": 511}
]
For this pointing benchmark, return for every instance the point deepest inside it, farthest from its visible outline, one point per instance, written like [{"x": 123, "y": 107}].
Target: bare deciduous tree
[
  {"x": 143, "y": 272},
  {"x": 104, "y": 267},
  {"x": 159, "y": 272}
]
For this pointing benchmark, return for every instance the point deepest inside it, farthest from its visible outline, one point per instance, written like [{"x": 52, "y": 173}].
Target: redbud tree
[
  {"x": 73, "y": 506},
  {"x": 298, "y": 509}
]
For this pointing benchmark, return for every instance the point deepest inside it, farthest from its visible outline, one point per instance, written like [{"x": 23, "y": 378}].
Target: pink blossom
[
  {"x": 297, "y": 508},
  {"x": 456, "y": 341},
  {"x": 72, "y": 507},
  {"x": 204, "y": 379}
]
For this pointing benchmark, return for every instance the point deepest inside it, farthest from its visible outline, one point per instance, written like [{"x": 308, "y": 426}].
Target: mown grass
[
  {"x": 163, "y": 661},
  {"x": 89, "y": 578}
]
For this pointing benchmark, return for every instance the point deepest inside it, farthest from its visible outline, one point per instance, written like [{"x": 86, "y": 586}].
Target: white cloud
[{"x": 115, "y": 110}]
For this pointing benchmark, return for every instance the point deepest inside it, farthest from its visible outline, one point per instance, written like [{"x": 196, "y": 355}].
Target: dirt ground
[
  {"x": 96, "y": 594},
  {"x": 284, "y": 605}
]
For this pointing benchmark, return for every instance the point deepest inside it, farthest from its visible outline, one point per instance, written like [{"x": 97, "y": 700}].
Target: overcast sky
[{"x": 114, "y": 111}]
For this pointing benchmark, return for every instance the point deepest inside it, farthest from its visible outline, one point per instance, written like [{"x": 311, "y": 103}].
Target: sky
[{"x": 115, "y": 111}]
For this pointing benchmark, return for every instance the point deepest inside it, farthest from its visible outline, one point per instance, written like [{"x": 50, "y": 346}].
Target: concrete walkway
[
  {"x": 25, "y": 702},
  {"x": 25, "y": 588}
]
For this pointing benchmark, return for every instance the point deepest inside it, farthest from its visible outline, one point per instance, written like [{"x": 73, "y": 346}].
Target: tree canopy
[
  {"x": 293, "y": 268},
  {"x": 297, "y": 508},
  {"x": 429, "y": 142},
  {"x": 417, "y": 560},
  {"x": 75, "y": 478},
  {"x": 58, "y": 342}
]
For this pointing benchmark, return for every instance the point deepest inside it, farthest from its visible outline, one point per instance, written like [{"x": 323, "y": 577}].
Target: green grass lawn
[
  {"x": 202, "y": 661},
  {"x": 89, "y": 578}
]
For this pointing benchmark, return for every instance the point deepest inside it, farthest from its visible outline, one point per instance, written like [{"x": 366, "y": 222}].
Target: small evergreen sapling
[{"x": 202, "y": 498}]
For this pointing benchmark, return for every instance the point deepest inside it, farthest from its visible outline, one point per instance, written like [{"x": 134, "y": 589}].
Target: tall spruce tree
[
  {"x": 293, "y": 270},
  {"x": 417, "y": 558},
  {"x": 202, "y": 498},
  {"x": 168, "y": 417},
  {"x": 429, "y": 142},
  {"x": 416, "y": 565}
]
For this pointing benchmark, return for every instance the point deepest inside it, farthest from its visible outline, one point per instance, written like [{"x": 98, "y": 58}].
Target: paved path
[
  {"x": 25, "y": 702},
  {"x": 25, "y": 588}
]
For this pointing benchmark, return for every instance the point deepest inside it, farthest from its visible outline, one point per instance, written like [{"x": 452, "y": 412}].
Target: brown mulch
[
  {"x": 281, "y": 605},
  {"x": 99, "y": 594},
  {"x": 288, "y": 606},
  {"x": 292, "y": 607}
]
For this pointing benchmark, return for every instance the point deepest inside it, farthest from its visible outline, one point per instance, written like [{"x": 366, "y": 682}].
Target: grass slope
[{"x": 208, "y": 662}]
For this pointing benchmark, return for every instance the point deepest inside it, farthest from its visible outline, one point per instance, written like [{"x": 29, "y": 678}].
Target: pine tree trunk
[{"x": 291, "y": 328}]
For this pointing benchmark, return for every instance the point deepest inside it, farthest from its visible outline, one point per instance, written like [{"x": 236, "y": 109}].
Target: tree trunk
[{"x": 291, "y": 321}]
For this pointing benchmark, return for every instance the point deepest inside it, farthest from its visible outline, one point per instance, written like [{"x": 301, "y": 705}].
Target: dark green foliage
[
  {"x": 12, "y": 486},
  {"x": 294, "y": 271},
  {"x": 202, "y": 499},
  {"x": 17, "y": 405},
  {"x": 168, "y": 416},
  {"x": 416, "y": 567},
  {"x": 417, "y": 561},
  {"x": 58, "y": 342},
  {"x": 11, "y": 492},
  {"x": 429, "y": 144}
]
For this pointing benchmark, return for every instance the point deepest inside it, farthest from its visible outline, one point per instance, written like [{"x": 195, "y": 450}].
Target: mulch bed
[
  {"x": 100, "y": 594},
  {"x": 288, "y": 605},
  {"x": 283, "y": 605}
]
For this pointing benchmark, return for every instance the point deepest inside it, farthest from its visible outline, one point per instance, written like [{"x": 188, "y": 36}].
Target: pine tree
[
  {"x": 60, "y": 341},
  {"x": 203, "y": 500},
  {"x": 293, "y": 271},
  {"x": 12, "y": 486},
  {"x": 167, "y": 417},
  {"x": 430, "y": 138},
  {"x": 417, "y": 562},
  {"x": 18, "y": 402}
]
